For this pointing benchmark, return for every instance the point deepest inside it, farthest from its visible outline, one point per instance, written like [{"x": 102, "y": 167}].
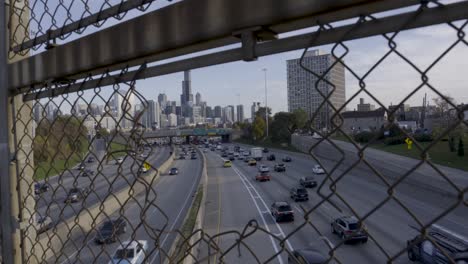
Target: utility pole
[{"x": 266, "y": 101}]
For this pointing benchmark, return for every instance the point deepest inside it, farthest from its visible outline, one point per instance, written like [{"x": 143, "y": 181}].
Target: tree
[
  {"x": 461, "y": 148},
  {"x": 281, "y": 127},
  {"x": 258, "y": 128},
  {"x": 442, "y": 108},
  {"x": 300, "y": 118},
  {"x": 451, "y": 143}
]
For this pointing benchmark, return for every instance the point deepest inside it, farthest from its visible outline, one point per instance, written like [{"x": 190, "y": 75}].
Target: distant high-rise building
[
  {"x": 203, "y": 108},
  {"x": 228, "y": 114},
  {"x": 171, "y": 107},
  {"x": 218, "y": 111},
  {"x": 240, "y": 113},
  {"x": 162, "y": 100},
  {"x": 198, "y": 99},
  {"x": 186, "y": 95},
  {"x": 178, "y": 110},
  {"x": 233, "y": 113},
  {"x": 80, "y": 110},
  {"x": 253, "y": 109},
  {"x": 124, "y": 104},
  {"x": 364, "y": 107},
  {"x": 302, "y": 90},
  {"x": 94, "y": 109},
  {"x": 172, "y": 119},
  {"x": 209, "y": 112},
  {"x": 151, "y": 115}
]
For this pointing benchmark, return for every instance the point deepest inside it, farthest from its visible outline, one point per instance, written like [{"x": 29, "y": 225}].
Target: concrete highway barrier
[{"x": 55, "y": 240}]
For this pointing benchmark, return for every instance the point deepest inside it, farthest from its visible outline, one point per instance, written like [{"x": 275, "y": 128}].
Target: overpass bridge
[{"x": 224, "y": 133}]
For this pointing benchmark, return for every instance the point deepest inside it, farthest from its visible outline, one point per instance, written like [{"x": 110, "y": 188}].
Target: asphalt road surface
[
  {"x": 153, "y": 218},
  {"x": 108, "y": 178},
  {"x": 235, "y": 198}
]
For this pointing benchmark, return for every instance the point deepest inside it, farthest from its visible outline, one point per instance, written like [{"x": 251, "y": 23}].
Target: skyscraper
[
  {"x": 218, "y": 111},
  {"x": 227, "y": 114},
  {"x": 209, "y": 112},
  {"x": 198, "y": 99},
  {"x": 186, "y": 95},
  {"x": 162, "y": 100},
  {"x": 151, "y": 116},
  {"x": 233, "y": 114},
  {"x": 240, "y": 113},
  {"x": 302, "y": 88}
]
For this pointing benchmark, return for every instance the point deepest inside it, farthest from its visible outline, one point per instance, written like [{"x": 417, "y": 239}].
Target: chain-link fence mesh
[{"x": 81, "y": 178}]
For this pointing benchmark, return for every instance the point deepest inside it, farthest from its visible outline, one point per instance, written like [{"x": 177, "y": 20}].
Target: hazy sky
[{"x": 390, "y": 82}]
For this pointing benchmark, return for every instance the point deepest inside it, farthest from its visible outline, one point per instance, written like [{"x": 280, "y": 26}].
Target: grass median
[{"x": 187, "y": 228}]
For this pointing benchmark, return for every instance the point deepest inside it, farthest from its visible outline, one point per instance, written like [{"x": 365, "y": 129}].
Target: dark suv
[
  {"x": 282, "y": 211},
  {"x": 299, "y": 194},
  {"x": 423, "y": 250},
  {"x": 271, "y": 157},
  {"x": 110, "y": 230},
  {"x": 349, "y": 229},
  {"x": 308, "y": 182}
]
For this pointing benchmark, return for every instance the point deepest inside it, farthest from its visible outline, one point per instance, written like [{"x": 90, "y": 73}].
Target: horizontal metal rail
[
  {"x": 180, "y": 29},
  {"x": 430, "y": 16},
  {"x": 82, "y": 23}
]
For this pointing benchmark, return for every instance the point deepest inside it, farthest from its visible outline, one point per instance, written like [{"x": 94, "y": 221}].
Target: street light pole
[{"x": 266, "y": 101}]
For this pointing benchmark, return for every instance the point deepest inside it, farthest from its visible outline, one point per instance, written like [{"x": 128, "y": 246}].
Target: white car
[
  {"x": 236, "y": 154},
  {"x": 131, "y": 252},
  {"x": 318, "y": 170},
  {"x": 263, "y": 168},
  {"x": 119, "y": 161}
]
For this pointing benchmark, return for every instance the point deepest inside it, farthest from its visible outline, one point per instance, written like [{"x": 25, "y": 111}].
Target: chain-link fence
[{"x": 84, "y": 173}]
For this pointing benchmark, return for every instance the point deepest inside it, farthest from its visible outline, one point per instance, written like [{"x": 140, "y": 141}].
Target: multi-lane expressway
[{"x": 235, "y": 198}]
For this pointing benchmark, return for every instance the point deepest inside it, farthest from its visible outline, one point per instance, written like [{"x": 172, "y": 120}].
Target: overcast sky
[{"x": 390, "y": 82}]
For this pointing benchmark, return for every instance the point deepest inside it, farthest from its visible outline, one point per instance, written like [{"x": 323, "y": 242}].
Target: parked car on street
[
  {"x": 424, "y": 251},
  {"x": 280, "y": 167},
  {"x": 299, "y": 194},
  {"x": 318, "y": 170},
  {"x": 131, "y": 252},
  {"x": 110, "y": 230},
  {"x": 282, "y": 211},
  {"x": 308, "y": 182},
  {"x": 307, "y": 256},
  {"x": 263, "y": 176},
  {"x": 349, "y": 229}
]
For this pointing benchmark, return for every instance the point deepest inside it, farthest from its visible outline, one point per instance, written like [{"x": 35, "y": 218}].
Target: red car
[{"x": 263, "y": 176}]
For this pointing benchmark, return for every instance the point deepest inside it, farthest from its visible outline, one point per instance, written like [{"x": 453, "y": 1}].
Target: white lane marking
[
  {"x": 177, "y": 218},
  {"x": 266, "y": 206},
  {"x": 299, "y": 210},
  {"x": 275, "y": 247}
]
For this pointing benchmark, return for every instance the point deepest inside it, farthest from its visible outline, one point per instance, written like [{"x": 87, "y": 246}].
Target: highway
[
  {"x": 235, "y": 198},
  {"x": 108, "y": 178},
  {"x": 163, "y": 211}
]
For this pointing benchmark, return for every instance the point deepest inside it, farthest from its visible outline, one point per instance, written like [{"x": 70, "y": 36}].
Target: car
[
  {"x": 423, "y": 250},
  {"x": 224, "y": 155},
  {"x": 299, "y": 194},
  {"x": 246, "y": 159},
  {"x": 263, "y": 168},
  {"x": 232, "y": 158},
  {"x": 349, "y": 229},
  {"x": 236, "y": 154},
  {"x": 91, "y": 159},
  {"x": 143, "y": 169},
  {"x": 265, "y": 150},
  {"x": 87, "y": 173},
  {"x": 308, "y": 182},
  {"x": 131, "y": 252},
  {"x": 81, "y": 166},
  {"x": 307, "y": 256},
  {"x": 205, "y": 150},
  {"x": 271, "y": 157},
  {"x": 282, "y": 211},
  {"x": 263, "y": 176},
  {"x": 318, "y": 170},
  {"x": 119, "y": 161},
  {"x": 182, "y": 156},
  {"x": 286, "y": 159},
  {"x": 279, "y": 167},
  {"x": 173, "y": 171},
  {"x": 193, "y": 156},
  {"x": 76, "y": 194},
  {"x": 143, "y": 155},
  {"x": 252, "y": 162},
  {"x": 227, "y": 164},
  {"x": 240, "y": 158},
  {"x": 43, "y": 223},
  {"x": 212, "y": 149},
  {"x": 246, "y": 153},
  {"x": 109, "y": 231},
  {"x": 40, "y": 188}
]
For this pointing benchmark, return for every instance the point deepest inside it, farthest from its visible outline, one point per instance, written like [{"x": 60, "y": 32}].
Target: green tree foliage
[
  {"x": 300, "y": 119},
  {"x": 461, "y": 148},
  {"x": 451, "y": 143},
  {"x": 285, "y": 123},
  {"x": 59, "y": 139},
  {"x": 258, "y": 128}
]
